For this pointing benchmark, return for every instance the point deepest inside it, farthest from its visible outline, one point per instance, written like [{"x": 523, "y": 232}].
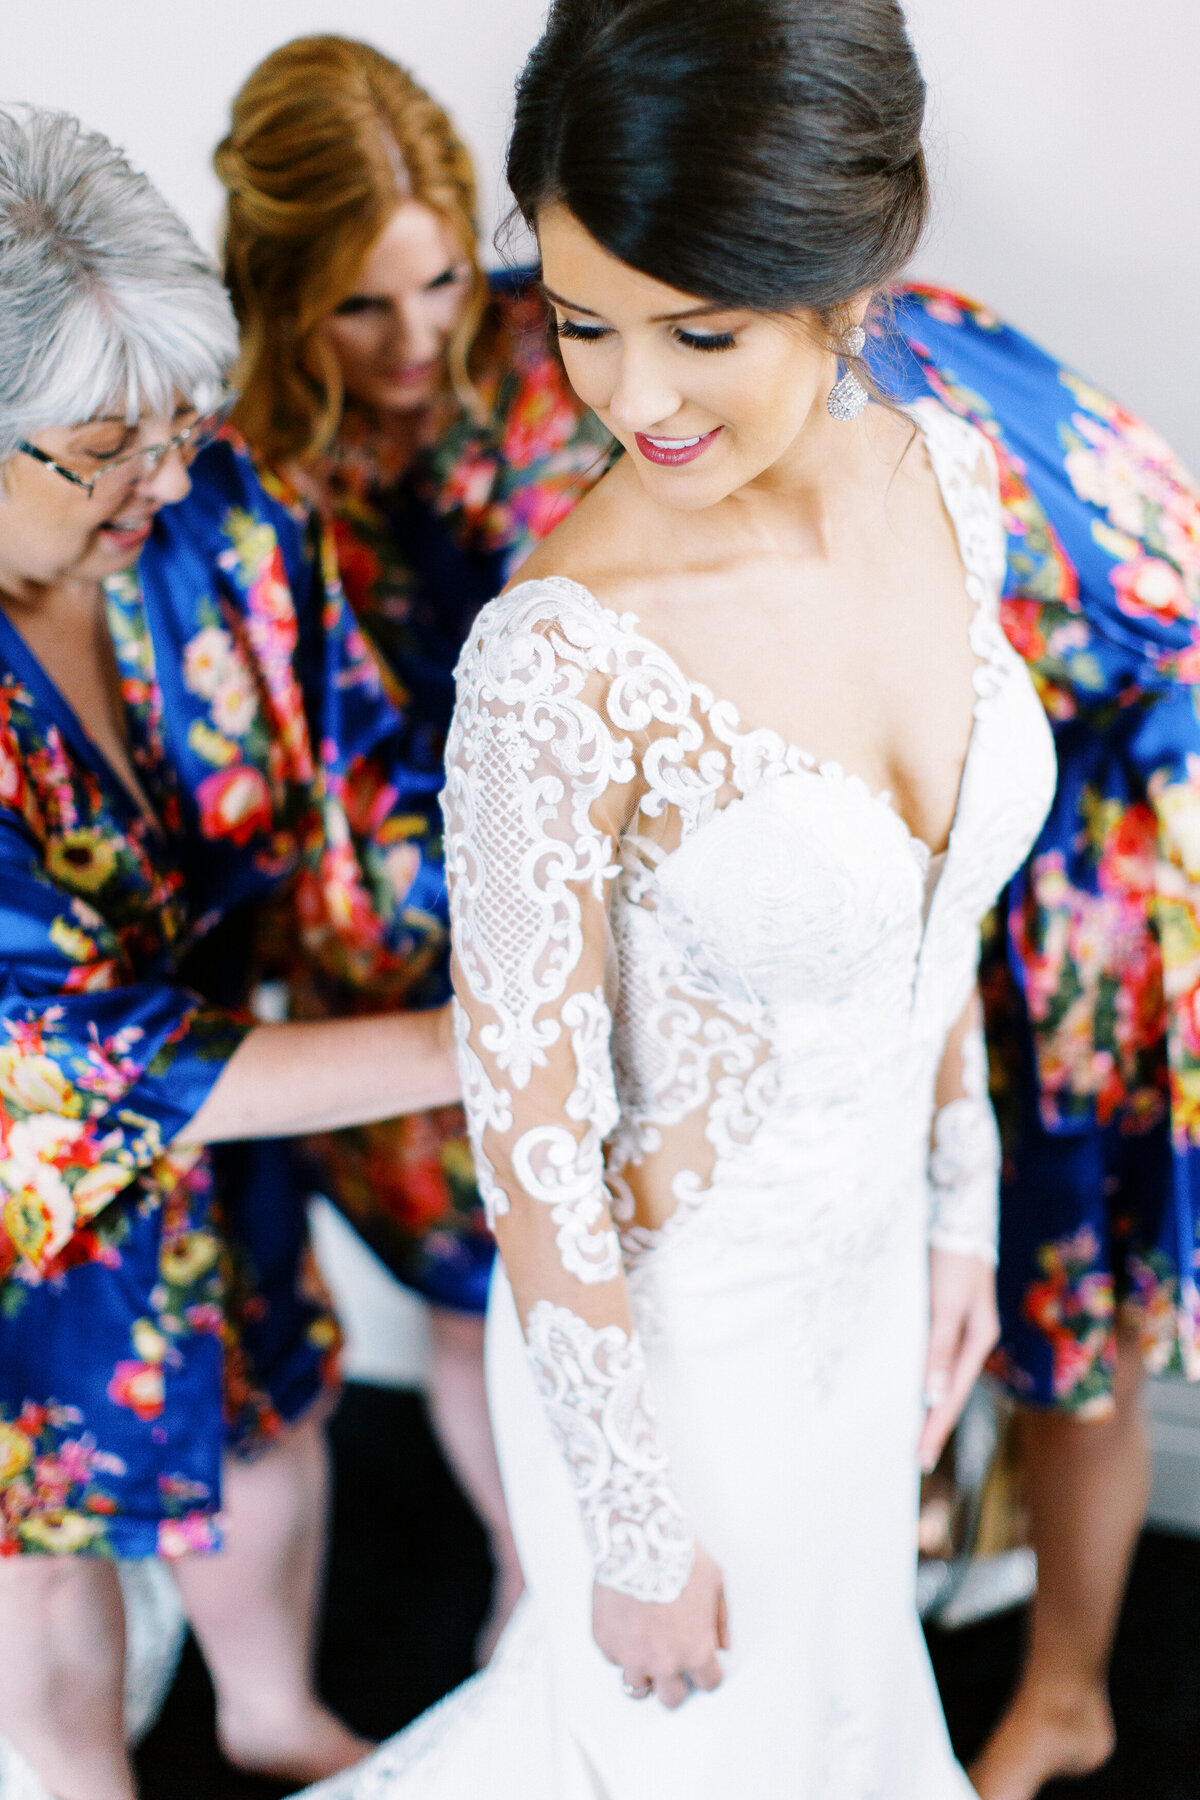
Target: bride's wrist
[{"x": 658, "y": 1580}]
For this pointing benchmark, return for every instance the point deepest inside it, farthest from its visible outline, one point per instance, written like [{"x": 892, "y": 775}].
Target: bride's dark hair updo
[{"x": 756, "y": 153}]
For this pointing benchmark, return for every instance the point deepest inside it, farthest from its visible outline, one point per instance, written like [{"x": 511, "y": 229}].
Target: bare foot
[
  {"x": 310, "y": 1746},
  {"x": 1041, "y": 1737}
]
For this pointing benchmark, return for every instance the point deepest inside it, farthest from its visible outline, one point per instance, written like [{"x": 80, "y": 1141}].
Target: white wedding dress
[{"x": 706, "y": 988}]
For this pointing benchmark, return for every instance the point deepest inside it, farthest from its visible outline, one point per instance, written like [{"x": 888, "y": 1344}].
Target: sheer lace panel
[
  {"x": 964, "y": 1162},
  {"x": 593, "y": 1386},
  {"x": 688, "y": 958}
]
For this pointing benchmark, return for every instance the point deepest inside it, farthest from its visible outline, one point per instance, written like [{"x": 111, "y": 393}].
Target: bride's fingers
[
  {"x": 977, "y": 1336},
  {"x": 707, "y": 1677},
  {"x": 671, "y": 1690},
  {"x": 724, "y": 1641}
]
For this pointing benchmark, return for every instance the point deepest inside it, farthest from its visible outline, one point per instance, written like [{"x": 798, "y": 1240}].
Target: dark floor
[{"x": 408, "y": 1585}]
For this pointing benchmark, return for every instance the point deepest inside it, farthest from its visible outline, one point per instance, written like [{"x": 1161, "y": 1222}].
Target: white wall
[
  {"x": 1065, "y": 135},
  {"x": 157, "y": 75}
]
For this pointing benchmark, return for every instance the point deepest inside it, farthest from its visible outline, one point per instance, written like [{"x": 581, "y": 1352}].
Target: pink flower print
[
  {"x": 174, "y": 1489},
  {"x": 944, "y": 309},
  {"x": 206, "y": 1317},
  {"x": 140, "y": 1387},
  {"x": 194, "y": 1533},
  {"x": 235, "y": 803},
  {"x": 110, "y": 1073},
  {"x": 1151, "y": 588}
]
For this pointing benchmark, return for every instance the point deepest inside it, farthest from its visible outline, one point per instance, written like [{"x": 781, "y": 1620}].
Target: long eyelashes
[
  {"x": 591, "y": 334},
  {"x": 716, "y": 340},
  {"x": 586, "y": 334}
]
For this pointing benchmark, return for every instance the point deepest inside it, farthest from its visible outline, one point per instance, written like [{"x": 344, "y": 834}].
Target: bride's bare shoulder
[{"x": 599, "y": 544}]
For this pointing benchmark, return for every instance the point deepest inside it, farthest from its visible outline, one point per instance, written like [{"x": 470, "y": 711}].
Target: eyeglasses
[{"x": 189, "y": 442}]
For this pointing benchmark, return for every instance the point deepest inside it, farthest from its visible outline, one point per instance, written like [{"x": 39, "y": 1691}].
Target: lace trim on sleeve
[
  {"x": 487, "y": 1108},
  {"x": 593, "y": 1386},
  {"x": 566, "y": 1173},
  {"x": 964, "y": 1164},
  {"x": 526, "y": 758}
]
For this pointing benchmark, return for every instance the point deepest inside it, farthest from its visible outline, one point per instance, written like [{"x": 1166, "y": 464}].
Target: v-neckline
[
  {"x": 33, "y": 672},
  {"x": 922, "y": 851}
]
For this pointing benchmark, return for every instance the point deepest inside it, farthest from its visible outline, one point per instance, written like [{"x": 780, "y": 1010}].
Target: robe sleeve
[{"x": 98, "y": 1073}]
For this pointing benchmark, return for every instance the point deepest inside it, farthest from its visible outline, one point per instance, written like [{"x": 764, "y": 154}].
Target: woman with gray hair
[{"x": 187, "y": 721}]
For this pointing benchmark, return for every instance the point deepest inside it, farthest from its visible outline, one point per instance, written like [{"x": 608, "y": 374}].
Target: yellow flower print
[
  {"x": 1089, "y": 397},
  {"x": 96, "y": 1187},
  {"x": 36, "y": 1083},
  {"x": 456, "y": 1159},
  {"x": 82, "y": 859},
  {"x": 37, "y": 1211},
  {"x": 1185, "y": 1102},
  {"x": 252, "y": 539},
  {"x": 323, "y": 1334},
  {"x": 16, "y": 1454},
  {"x": 65, "y": 1535},
  {"x": 73, "y": 943},
  {"x": 211, "y": 745},
  {"x": 148, "y": 1341},
  {"x": 187, "y": 1257},
  {"x": 403, "y": 825}
]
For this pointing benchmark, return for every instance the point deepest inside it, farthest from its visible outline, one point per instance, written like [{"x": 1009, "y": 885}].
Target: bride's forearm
[{"x": 321, "y": 1076}]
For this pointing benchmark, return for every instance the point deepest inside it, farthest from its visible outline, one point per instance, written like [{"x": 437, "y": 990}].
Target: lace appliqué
[
  {"x": 964, "y": 1164},
  {"x": 566, "y": 1173},
  {"x": 526, "y": 758},
  {"x": 593, "y": 1386},
  {"x": 487, "y": 1108}
]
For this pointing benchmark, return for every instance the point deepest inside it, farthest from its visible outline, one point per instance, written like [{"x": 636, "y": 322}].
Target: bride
[{"x": 736, "y": 768}]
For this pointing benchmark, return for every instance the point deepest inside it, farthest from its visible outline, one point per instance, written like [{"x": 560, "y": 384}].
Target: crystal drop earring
[{"x": 848, "y": 397}]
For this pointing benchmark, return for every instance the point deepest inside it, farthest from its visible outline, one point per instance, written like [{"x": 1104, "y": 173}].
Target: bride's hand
[
  {"x": 963, "y": 1328},
  {"x": 667, "y": 1649}
]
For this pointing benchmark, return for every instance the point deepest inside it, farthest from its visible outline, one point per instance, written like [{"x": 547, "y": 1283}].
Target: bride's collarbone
[{"x": 888, "y": 699}]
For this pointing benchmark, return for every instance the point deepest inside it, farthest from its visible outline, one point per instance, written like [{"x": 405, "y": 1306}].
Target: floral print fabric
[
  {"x": 144, "y": 1288},
  {"x": 420, "y": 549},
  {"x": 1093, "y": 981}
]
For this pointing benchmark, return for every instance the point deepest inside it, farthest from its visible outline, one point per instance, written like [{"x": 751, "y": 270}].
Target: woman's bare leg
[
  {"x": 458, "y": 1405},
  {"x": 253, "y": 1609},
  {"x": 62, "y": 1674},
  {"x": 1088, "y": 1484}
]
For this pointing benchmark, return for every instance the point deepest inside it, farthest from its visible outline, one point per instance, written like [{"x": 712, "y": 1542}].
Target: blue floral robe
[
  {"x": 1092, "y": 977},
  {"x": 156, "y": 1302}
]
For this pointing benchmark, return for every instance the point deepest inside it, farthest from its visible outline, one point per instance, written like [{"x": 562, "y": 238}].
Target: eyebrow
[{"x": 691, "y": 312}]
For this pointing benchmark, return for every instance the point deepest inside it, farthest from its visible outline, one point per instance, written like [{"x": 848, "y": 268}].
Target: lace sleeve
[
  {"x": 538, "y": 790},
  {"x": 964, "y": 1160}
]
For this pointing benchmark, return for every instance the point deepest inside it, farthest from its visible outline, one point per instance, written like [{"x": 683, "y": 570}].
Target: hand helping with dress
[
  {"x": 963, "y": 1328},
  {"x": 666, "y": 1649}
]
